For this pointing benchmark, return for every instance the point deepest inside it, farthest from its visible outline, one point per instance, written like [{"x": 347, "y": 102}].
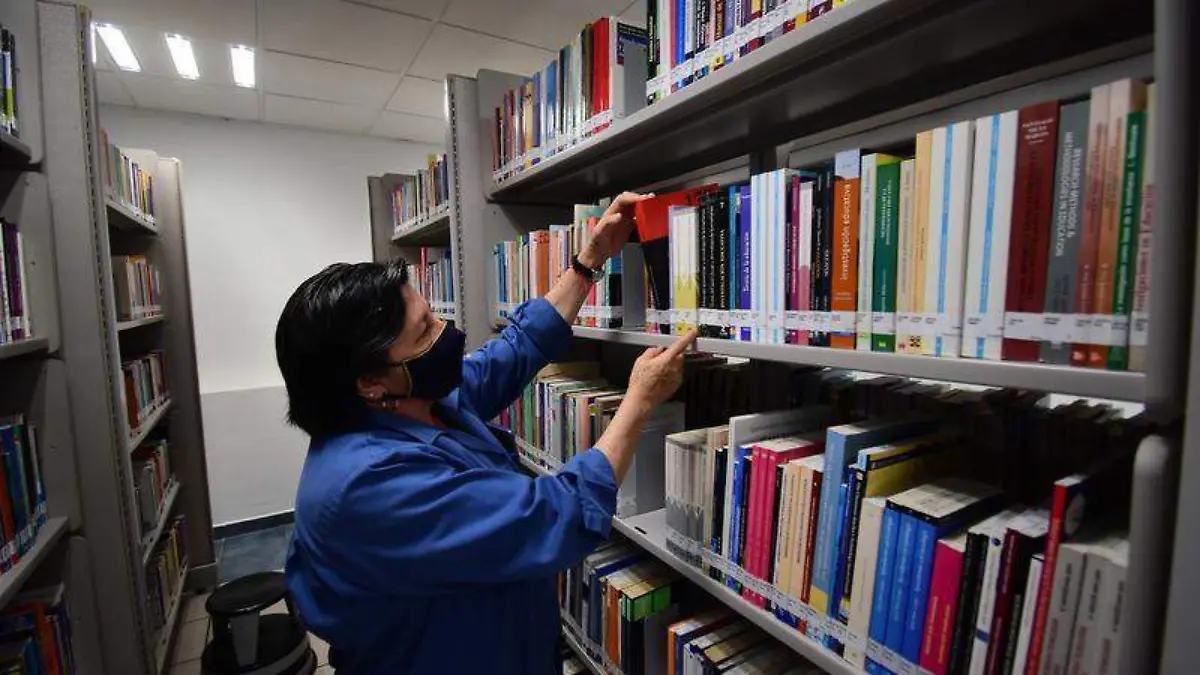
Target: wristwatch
[{"x": 591, "y": 274}]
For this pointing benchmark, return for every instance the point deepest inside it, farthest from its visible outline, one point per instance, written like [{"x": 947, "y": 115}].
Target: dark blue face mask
[{"x": 437, "y": 371}]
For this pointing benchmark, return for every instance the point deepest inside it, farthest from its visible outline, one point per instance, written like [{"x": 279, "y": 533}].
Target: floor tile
[
  {"x": 189, "y": 644},
  {"x": 194, "y": 609},
  {"x": 187, "y": 668}
]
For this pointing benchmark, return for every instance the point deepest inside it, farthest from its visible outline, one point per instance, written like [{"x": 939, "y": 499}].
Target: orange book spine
[{"x": 844, "y": 298}]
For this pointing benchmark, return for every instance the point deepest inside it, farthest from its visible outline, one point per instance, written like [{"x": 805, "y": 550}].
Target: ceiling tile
[
  {"x": 410, "y": 128},
  {"x": 420, "y": 97},
  {"x": 111, "y": 90},
  {"x": 343, "y": 32},
  {"x": 230, "y": 21},
  {"x": 173, "y": 93},
  {"x": 314, "y": 78},
  {"x": 546, "y": 23},
  {"x": 460, "y": 52},
  {"x": 320, "y": 114},
  {"x": 430, "y": 9}
]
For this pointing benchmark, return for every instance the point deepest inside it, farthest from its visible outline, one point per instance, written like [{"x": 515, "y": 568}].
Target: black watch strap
[{"x": 584, "y": 271}]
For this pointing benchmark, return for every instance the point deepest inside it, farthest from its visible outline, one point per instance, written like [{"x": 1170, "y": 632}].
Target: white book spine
[
  {"x": 1085, "y": 643},
  {"x": 1032, "y": 585},
  {"x": 939, "y": 195},
  {"x": 870, "y": 525},
  {"x": 987, "y": 598},
  {"x": 904, "y": 286},
  {"x": 757, "y": 201},
  {"x": 959, "y": 150},
  {"x": 804, "y": 269},
  {"x": 784, "y": 535},
  {"x": 779, "y": 180},
  {"x": 805, "y": 515},
  {"x": 1110, "y": 627},
  {"x": 866, "y": 251},
  {"x": 1070, "y": 570}
]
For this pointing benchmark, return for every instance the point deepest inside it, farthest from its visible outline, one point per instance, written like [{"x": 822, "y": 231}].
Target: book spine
[
  {"x": 794, "y": 267},
  {"x": 889, "y": 537},
  {"x": 1131, "y": 194},
  {"x": 810, "y": 543},
  {"x": 844, "y": 291},
  {"x": 902, "y": 579},
  {"x": 1093, "y": 211},
  {"x": 955, "y": 212},
  {"x": 925, "y": 543},
  {"x": 974, "y": 559},
  {"x": 919, "y": 242},
  {"x": 940, "y": 614},
  {"x": 884, "y": 277},
  {"x": 854, "y": 502},
  {"x": 1006, "y": 583},
  {"x": 804, "y": 269},
  {"x": 1084, "y": 640},
  {"x": 904, "y": 251},
  {"x": 1064, "y": 236},
  {"x": 862, "y": 598},
  {"x": 1033, "y": 197},
  {"x": 1069, "y": 571},
  {"x": 745, "y": 268},
  {"x": 1139, "y": 320},
  {"x": 754, "y": 518},
  {"x": 867, "y": 225},
  {"x": 1024, "y": 636},
  {"x": 736, "y": 512},
  {"x": 835, "y": 453},
  {"x": 1017, "y": 619},
  {"x": 817, "y": 337},
  {"x": 987, "y": 605}
]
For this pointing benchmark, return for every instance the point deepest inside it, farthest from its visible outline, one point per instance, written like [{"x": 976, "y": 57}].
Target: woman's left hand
[{"x": 613, "y": 230}]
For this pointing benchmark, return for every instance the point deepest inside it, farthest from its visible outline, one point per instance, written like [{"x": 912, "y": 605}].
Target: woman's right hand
[{"x": 658, "y": 372}]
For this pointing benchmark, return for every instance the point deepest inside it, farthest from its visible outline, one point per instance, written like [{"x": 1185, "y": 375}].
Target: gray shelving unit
[
  {"x": 872, "y": 74},
  {"x": 88, "y": 228}
]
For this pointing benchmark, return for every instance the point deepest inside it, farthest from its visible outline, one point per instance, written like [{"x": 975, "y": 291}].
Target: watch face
[{"x": 598, "y": 274}]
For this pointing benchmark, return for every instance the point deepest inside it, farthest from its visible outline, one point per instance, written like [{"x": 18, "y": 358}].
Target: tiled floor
[
  {"x": 237, "y": 556},
  {"x": 193, "y": 636}
]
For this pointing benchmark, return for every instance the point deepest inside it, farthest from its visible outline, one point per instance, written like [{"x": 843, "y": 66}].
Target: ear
[{"x": 373, "y": 388}]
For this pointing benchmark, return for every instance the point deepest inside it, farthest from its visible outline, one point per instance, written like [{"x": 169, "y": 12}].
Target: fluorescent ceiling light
[
  {"x": 92, "y": 42},
  {"x": 182, "y": 55},
  {"x": 242, "y": 58},
  {"x": 118, "y": 47}
]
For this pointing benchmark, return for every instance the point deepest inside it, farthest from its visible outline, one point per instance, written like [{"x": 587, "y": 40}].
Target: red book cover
[
  {"x": 600, "y": 65},
  {"x": 651, "y": 217},
  {"x": 1033, "y": 201},
  {"x": 753, "y": 518},
  {"x": 845, "y": 246},
  {"x": 1022, "y": 539},
  {"x": 814, "y": 508},
  {"x": 1002, "y": 614},
  {"x": 943, "y": 603},
  {"x": 773, "y": 454}
]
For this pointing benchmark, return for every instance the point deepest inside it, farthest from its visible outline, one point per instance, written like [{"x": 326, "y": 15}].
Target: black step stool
[{"x": 247, "y": 642}]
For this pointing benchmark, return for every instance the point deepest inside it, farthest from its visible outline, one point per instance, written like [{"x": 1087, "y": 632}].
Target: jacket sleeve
[
  {"x": 412, "y": 524},
  {"x": 495, "y": 374}
]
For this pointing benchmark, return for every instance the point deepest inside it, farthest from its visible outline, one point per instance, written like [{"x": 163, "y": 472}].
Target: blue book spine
[
  {"x": 735, "y": 513},
  {"x": 537, "y": 109},
  {"x": 744, "y": 268},
  {"x": 551, "y": 103},
  {"x": 884, "y": 569},
  {"x": 845, "y": 527},
  {"x": 678, "y": 27},
  {"x": 825, "y": 548},
  {"x": 918, "y": 597},
  {"x": 901, "y": 582},
  {"x": 843, "y": 491},
  {"x": 16, "y": 489}
]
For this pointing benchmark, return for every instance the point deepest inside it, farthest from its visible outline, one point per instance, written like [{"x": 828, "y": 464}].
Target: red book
[
  {"x": 754, "y": 522},
  {"x": 1033, "y": 201},
  {"x": 600, "y": 65},
  {"x": 1024, "y": 537},
  {"x": 943, "y": 603},
  {"x": 651, "y": 217}
]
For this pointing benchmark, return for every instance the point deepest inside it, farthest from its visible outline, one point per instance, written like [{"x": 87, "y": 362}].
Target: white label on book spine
[
  {"x": 1023, "y": 326},
  {"x": 863, "y": 321},
  {"x": 949, "y": 326},
  {"x": 1109, "y": 330},
  {"x": 843, "y": 322},
  {"x": 654, "y": 85},
  {"x": 653, "y": 316},
  {"x": 823, "y": 321},
  {"x": 1059, "y": 328},
  {"x": 883, "y": 323},
  {"x": 775, "y": 320},
  {"x": 1139, "y": 330},
  {"x": 989, "y": 325},
  {"x": 791, "y": 320}
]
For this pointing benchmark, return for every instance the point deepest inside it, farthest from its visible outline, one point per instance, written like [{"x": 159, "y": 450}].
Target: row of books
[
  {"x": 125, "y": 181},
  {"x": 881, "y": 531},
  {"x": 422, "y": 195},
  {"x": 597, "y": 78},
  {"x": 15, "y": 321},
  {"x": 145, "y": 387},
  {"x": 637, "y": 616},
  {"x": 152, "y": 478},
  {"x": 164, "y": 573},
  {"x": 22, "y": 491},
  {"x": 8, "y": 82},
  {"x": 138, "y": 287},
  {"x": 528, "y": 267},
  {"x": 689, "y": 40},
  {"x": 35, "y": 634},
  {"x": 433, "y": 278},
  {"x": 1022, "y": 236}
]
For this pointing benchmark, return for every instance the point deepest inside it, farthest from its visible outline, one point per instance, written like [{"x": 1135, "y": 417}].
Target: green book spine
[
  {"x": 883, "y": 278},
  {"x": 1131, "y": 199}
]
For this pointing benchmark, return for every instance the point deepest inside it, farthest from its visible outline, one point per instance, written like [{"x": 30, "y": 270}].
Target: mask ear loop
[{"x": 407, "y": 373}]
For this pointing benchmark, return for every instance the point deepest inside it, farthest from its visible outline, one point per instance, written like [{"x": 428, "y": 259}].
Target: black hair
[{"x": 335, "y": 328}]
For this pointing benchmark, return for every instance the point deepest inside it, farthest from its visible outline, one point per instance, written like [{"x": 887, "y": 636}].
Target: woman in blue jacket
[{"x": 420, "y": 547}]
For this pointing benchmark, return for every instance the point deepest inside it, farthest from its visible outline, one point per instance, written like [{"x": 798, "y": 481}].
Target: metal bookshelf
[
  {"x": 12, "y": 350},
  {"x": 12, "y": 580},
  {"x": 14, "y": 153},
  {"x": 418, "y": 230},
  {"x": 123, "y": 326},
  {"x": 872, "y": 74},
  {"x": 160, "y": 522},
  {"x": 89, "y": 228}
]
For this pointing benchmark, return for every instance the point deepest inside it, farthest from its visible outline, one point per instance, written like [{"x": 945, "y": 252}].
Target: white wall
[{"x": 266, "y": 207}]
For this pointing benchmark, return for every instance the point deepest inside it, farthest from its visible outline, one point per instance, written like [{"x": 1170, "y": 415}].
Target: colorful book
[
  {"x": 845, "y": 281},
  {"x": 1139, "y": 320},
  {"x": 877, "y": 268}
]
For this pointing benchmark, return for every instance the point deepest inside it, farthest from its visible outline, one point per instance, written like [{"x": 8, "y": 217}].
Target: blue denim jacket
[{"x": 424, "y": 550}]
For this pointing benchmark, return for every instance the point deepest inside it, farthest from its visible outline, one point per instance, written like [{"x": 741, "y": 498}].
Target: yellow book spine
[{"x": 920, "y": 241}]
